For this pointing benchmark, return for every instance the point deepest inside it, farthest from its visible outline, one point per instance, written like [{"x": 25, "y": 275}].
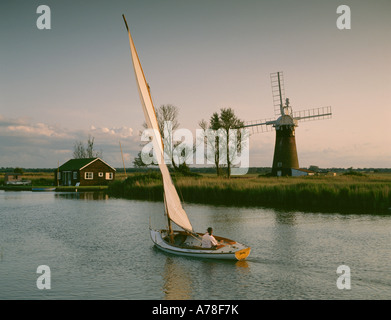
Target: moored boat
[{"x": 43, "y": 189}]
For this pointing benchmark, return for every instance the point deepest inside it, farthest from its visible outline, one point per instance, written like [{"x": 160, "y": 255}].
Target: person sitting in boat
[{"x": 209, "y": 241}]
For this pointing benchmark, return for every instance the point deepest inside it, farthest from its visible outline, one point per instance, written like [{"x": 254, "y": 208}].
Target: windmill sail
[
  {"x": 313, "y": 114},
  {"x": 278, "y": 92},
  {"x": 174, "y": 208}
]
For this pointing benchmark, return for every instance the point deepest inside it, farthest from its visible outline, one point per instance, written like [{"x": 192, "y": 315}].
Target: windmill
[{"x": 285, "y": 153}]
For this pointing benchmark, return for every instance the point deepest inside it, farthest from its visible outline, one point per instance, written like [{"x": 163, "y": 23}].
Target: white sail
[{"x": 174, "y": 207}]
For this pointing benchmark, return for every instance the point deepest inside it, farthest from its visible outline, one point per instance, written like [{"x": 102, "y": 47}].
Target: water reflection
[
  {"x": 289, "y": 255},
  {"x": 294, "y": 255},
  {"x": 83, "y": 195},
  {"x": 242, "y": 265},
  {"x": 182, "y": 274},
  {"x": 288, "y": 218},
  {"x": 177, "y": 281}
]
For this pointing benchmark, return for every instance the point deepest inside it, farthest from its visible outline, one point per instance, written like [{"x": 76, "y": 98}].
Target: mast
[
  {"x": 170, "y": 231},
  {"x": 122, "y": 155}
]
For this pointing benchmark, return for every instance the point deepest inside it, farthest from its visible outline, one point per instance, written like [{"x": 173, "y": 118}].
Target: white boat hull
[{"x": 190, "y": 246}]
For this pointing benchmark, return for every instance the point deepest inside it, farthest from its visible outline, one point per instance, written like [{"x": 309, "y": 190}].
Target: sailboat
[{"x": 184, "y": 242}]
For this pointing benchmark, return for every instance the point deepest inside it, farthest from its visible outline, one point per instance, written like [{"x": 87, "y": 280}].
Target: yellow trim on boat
[{"x": 242, "y": 254}]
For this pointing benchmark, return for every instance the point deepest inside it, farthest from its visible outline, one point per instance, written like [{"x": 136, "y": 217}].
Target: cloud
[
  {"x": 39, "y": 129},
  {"x": 122, "y": 132},
  {"x": 27, "y": 144},
  {"x": 23, "y": 128}
]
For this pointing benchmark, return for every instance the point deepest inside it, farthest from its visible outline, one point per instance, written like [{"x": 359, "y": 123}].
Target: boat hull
[
  {"x": 230, "y": 250},
  {"x": 43, "y": 189}
]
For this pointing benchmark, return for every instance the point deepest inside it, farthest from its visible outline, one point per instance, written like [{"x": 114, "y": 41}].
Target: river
[{"x": 98, "y": 247}]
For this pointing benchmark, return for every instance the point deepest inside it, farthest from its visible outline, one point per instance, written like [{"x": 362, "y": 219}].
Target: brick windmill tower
[{"x": 285, "y": 153}]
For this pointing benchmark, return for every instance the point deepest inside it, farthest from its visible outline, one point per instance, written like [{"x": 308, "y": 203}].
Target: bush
[{"x": 354, "y": 173}]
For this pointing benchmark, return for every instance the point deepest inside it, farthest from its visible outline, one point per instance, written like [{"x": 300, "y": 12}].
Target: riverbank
[
  {"x": 51, "y": 188},
  {"x": 369, "y": 193}
]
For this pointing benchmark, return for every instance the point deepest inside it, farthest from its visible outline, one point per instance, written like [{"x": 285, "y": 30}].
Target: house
[
  {"x": 327, "y": 173},
  {"x": 15, "y": 179},
  {"x": 302, "y": 172},
  {"x": 84, "y": 172},
  {"x": 294, "y": 172},
  {"x": 11, "y": 178}
]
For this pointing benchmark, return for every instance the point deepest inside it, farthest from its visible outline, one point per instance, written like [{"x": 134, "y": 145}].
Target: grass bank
[
  {"x": 369, "y": 193},
  {"x": 46, "y": 180},
  {"x": 58, "y": 189}
]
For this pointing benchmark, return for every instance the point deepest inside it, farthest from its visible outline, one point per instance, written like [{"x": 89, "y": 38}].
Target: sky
[{"x": 61, "y": 85}]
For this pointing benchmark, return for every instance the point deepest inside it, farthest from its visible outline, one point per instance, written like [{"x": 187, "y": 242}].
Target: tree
[
  {"x": 223, "y": 138},
  {"x": 90, "y": 148},
  {"x": 81, "y": 152},
  {"x": 78, "y": 150},
  {"x": 170, "y": 113},
  {"x": 212, "y": 141},
  {"x": 230, "y": 123},
  {"x": 313, "y": 168},
  {"x": 138, "y": 161},
  {"x": 18, "y": 170},
  {"x": 165, "y": 114}
]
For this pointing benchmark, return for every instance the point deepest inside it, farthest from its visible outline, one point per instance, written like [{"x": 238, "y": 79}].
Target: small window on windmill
[{"x": 279, "y": 164}]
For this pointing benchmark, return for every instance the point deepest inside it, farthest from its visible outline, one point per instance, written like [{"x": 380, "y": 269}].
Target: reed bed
[{"x": 318, "y": 193}]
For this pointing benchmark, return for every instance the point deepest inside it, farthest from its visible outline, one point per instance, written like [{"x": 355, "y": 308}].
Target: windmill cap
[{"x": 286, "y": 120}]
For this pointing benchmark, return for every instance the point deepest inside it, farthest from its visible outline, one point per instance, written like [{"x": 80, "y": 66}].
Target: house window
[
  {"x": 279, "y": 164},
  {"x": 100, "y": 174},
  {"x": 58, "y": 175},
  {"x": 109, "y": 176},
  {"x": 74, "y": 175},
  {"x": 89, "y": 175}
]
